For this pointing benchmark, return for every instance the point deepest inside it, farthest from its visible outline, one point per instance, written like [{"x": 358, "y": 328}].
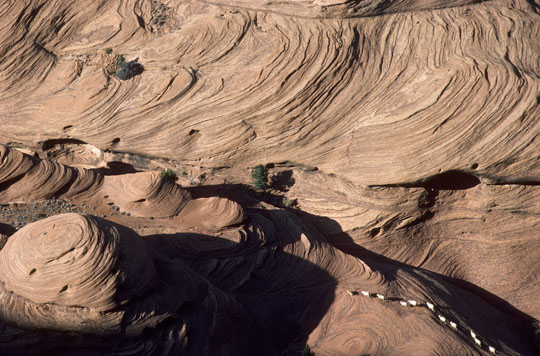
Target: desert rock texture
[{"x": 402, "y": 213}]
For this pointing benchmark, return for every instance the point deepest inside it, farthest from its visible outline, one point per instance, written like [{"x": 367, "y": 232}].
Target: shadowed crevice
[
  {"x": 117, "y": 168},
  {"x": 449, "y": 180},
  {"x": 48, "y": 144}
]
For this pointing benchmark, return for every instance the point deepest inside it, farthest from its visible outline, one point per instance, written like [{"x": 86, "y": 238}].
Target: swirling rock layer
[
  {"x": 71, "y": 260},
  {"x": 223, "y": 213},
  {"x": 228, "y": 87},
  {"x": 145, "y": 194},
  {"x": 475, "y": 233},
  {"x": 408, "y": 130},
  {"x": 24, "y": 178}
]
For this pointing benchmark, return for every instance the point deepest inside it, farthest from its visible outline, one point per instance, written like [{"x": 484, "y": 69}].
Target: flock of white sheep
[{"x": 413, "y": 303}]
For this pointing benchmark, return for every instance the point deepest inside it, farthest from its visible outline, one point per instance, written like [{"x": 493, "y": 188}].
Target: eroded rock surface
[
  {"x": 145, "y": 194},
  {"x": 401, "y": 139},
  {"x": 405, "y": 91}
]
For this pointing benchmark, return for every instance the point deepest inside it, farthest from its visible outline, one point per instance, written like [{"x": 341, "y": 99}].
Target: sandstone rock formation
[
  {"x": 25, "y": 178},
  {"x": 224, "y": 86},
  {"x": 224, "y": 212},
  {"x": 145, "y": 194},
  {"x": 402, "y": 142}
]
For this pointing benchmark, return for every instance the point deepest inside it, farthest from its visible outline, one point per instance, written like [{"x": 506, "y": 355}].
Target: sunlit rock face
[
  {"x": 232, "y": 275},
  {"x": 145, "y": 194},
  {"x": 380, "y": 92},
  {"x": 27, "y": 179},
  {"x": 401, "y": 139},
  {"x": 73, "y": 260}
]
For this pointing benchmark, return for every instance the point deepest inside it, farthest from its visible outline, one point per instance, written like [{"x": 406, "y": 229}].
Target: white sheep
[
  {"x": 473, "y": 334},
  {"x": 403, "y": 303},
  {"x": 477, "y": 342},
  {"x": 412, "y": 303},
  {"x": 365, "y": 293},
  {"x": 380, "y": 296},
  {"x": 492, "y": 350},
  {"x": 453, "y": 325},
  {"x": 352, "y": 292},
  {"x": 442, "y": 318},
  {"x": 430, "y": 306}
]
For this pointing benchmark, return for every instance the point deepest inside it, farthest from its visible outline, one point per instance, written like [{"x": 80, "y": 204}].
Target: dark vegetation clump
[
  {"x": 159, "y": 13},
  {"x": 127, "y": 70},
  {"x": 307, "y": 351},
  {"x": 169, "y": 175},
  {"x": 260, "y": 177},
  {"x": 108, "y": 50}
]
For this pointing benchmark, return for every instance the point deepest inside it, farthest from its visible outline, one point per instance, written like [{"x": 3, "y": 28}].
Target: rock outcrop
[
  {"x": 145, "y": 194},
  {"x": 401, "y": 139},
  {"x": 25, "y": 178},
  {"x": 405, "y": 91}
]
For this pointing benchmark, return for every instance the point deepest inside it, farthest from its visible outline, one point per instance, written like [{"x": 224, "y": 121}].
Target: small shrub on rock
[
  {"x": 120, "y": 60},
  {"x": 168, "y": 174},
  {"x": 260, "y": 177},
  {"x": 127, "y": 70},
  {"x": 307, "y": 351}
]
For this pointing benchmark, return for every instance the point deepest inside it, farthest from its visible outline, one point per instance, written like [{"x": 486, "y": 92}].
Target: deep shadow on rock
[
  {"x": 260, "y": 287},
  {"x": 6, "y": 229},
  {"x": 117, "y": 168},
  {"x": 518, "y": 327},
  {"x": 265, "y": 305}
]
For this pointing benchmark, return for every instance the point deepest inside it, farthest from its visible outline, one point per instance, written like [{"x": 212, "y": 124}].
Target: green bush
[
  {"x": 168, "y": 174},
  {"x": 260, "y": 177},
  {"x": 128, "y": 70},
  {"x": 307, "y": 351},
  {"x": 120, "y": 60}
]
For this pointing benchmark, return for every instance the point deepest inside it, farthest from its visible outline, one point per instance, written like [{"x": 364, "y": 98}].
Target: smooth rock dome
[
  {"x": 146, "y": 194},
  {"x": 77, "y": 260}
]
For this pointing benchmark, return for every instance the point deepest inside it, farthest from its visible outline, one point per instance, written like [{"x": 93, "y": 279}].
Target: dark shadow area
[
  {"x": 240, "y": 193},
  {"x": 9, "y": 182},
  {"x": 451, "y": 180},
  {"x": 116, "y": 168},
  {"x": 193, "y": 245},
  {"x": 129, "y": 69},
  {"x": 7, "y": 230},
  {"x": 286, "y": 295},
  {"x": 243, "y": 194},
  {"x": 140, "y": 20},
  {"x": 282, "y": 181},
  {"x": 48, "y": 144},
  {"x": 137, "y": 68}
]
